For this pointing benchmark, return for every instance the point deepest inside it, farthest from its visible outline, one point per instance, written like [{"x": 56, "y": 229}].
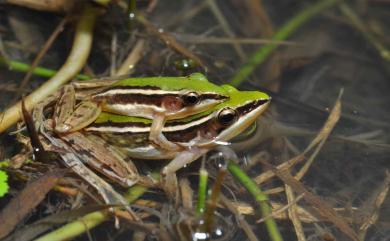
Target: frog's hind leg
[
  {"x": 68, "y": 118},
  {"x": 38, "y": 111},
  {"x": 104, "y": 159},
  {"x": 109, "y": 195}
]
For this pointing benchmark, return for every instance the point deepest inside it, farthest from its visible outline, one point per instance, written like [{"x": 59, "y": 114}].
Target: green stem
[
  {"x": 38, "y": 71},
  {"x": 89, "y": 221},
  {"x": 259, "y": 196},
  {"x": 3, "y": 183},
  {"x": 283, "y": 33},
  {"x": 202, "y": 191}
]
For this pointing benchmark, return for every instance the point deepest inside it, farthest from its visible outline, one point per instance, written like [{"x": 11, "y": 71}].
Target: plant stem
[
  {"x": 202, "y": 191},
  {"x": 259, "y": 196},
  {"x": 76, "y": 60},
  {"x": 91, "y": 220},
  {"x": 38, "y": 71},
  {"x": 209, "y": 213},
  {"x": 283, "y": 33},
  {"x": 3, "y": 183}
]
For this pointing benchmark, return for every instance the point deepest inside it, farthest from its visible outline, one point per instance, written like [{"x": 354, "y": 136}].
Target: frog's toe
[{"x": 170, "y": 186}]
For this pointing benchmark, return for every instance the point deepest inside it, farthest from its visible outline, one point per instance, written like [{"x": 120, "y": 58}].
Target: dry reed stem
[
  {"x": 232, "y": 207},
  {"x": 132, "y": 59},
  {"x": 293, "y": 215}
]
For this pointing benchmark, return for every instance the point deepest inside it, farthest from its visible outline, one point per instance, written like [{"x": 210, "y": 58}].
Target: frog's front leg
[
  {"x": 68, "y": 117},
  {"x": 157, "y": 137},
  {"x": 168, "y": 173}
]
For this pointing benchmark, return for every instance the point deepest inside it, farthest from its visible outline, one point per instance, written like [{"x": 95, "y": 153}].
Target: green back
[{"x": 195, "y": 81}]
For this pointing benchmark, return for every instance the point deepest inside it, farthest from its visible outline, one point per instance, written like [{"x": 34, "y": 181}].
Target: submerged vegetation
[{"x": 313, "y": 167}]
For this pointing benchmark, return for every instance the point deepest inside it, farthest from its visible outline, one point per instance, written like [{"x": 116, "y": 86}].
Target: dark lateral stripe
[
  {"x": 155, "y": 99},
  {"x": 243, "y": 110},
  {"x": 118, "y": 125}
]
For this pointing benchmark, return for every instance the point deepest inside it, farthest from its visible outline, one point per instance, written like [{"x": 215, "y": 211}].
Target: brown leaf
[{"x": 26, "y": 201}]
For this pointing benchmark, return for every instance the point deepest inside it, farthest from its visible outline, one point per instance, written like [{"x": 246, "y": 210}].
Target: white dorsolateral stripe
[
  {"x": 135, "y": 129},
  {"x": 135, "y": 108},
  {"x": 143, "y": 92}
]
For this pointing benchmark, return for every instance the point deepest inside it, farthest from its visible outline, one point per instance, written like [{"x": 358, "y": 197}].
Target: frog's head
[{"x": 236, "y": 114}]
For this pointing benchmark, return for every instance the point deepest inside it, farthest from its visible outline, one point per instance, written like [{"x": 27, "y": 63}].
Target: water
[{"x": 324, "y": 56}]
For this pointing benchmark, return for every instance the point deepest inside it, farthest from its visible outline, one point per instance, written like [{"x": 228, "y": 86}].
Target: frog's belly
[
  {"x": 136, "y": 146},
  {"x": 148, "y": 153}
]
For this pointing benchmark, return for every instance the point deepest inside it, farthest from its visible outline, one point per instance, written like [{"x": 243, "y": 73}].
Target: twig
[
  {"x": 285, "y": 165},
  {"x": 240, "y": 219},
  {"x": 189, "y": 38},
  {"x": 213, "y": 201},
  {"x": 169, "y": 40},
  {"x": 225, "y": 27},
  {"x": 293, "y": 215},
  {"x": 281, "y": 209},
  {"x": 30, "y": 197},
  {"x": 375, "y": 210},
  {"x": 284, "y": 32},
  {"x": 42, "y": 52},
  {"x": 320, "y": 206},
  {"x": 78, "y": 56}
]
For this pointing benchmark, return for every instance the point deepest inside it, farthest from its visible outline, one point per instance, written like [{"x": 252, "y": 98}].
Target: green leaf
[{"x": 3, "y": 183}]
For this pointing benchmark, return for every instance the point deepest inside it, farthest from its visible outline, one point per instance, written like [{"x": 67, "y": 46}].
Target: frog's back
[{"x": 194, "y": 82}]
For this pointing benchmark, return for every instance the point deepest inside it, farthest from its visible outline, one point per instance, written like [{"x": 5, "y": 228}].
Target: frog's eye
[
  {"x": 190, "y": 98},
  {"x": 227, "y": 116}
]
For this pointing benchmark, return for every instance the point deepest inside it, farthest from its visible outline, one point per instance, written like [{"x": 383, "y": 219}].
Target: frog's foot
[
  {"x": 84, "y": 114},
  {"x": 169, "y": 185},
  {"x": 168, "y": 173},
  {"x": 157, "y": 137}
]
